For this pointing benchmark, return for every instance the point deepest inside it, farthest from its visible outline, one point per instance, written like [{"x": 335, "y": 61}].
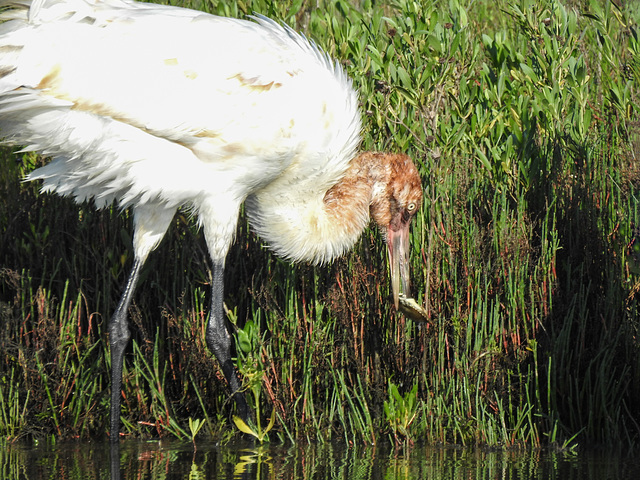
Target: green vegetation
[{"x": 523, "y": 118}]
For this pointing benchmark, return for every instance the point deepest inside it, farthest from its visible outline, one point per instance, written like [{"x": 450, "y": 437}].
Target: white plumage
[
  {"x": 155, "y": 107},
  {"x": 142, "y": 104}
]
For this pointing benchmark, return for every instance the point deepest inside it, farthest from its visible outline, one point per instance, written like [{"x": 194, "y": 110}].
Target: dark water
[{"x": 174, "y": 460}]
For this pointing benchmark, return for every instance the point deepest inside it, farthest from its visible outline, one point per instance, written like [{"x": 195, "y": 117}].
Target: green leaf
[
  {"x": 404, "y": 77},
  {"x": 243, "y": 427},
  {"x": 528, "y": 71},
  {"x": 244, "y": 341},
  {"x": 483, "y": 159},
  {"x": 272, "y": 421}
]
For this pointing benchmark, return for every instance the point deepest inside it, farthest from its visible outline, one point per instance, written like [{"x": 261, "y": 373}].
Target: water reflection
[{"x": 174, "y": 460}]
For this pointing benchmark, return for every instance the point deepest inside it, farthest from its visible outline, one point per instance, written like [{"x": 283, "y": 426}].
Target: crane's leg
[
  {"x": 118, "y": 338},
  {"x": 150, "y": 224},
  {"x": 219, "y": 340}
]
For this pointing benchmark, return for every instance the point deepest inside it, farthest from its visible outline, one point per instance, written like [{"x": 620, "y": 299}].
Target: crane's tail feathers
[
  {"x": 15, "y": 4},
  {"x": 97, "y": 158},
  {"x": 27, "y": 100},
  {"x": 40, "y": 11},
  {"x": 25, "y": 10},
  {"x": 25, "y": 107}
]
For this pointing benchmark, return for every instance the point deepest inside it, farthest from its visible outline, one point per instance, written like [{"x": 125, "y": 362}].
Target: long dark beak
[{"x": 398, "y": 244}]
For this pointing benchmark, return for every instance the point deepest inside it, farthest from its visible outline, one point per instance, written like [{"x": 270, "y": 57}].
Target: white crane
[{"x": 154, "y": 108}]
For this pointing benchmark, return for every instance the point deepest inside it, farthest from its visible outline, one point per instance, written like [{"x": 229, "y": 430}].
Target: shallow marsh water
[{"x": 177, "y": 460}]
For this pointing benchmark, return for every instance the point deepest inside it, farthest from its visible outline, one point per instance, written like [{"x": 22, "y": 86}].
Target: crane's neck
[
  {"x": 359, "y": 193},
  {"x": 319, "y": 226}
]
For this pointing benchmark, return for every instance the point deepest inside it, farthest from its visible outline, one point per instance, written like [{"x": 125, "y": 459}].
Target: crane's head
[{"x": 396, "y": 197}]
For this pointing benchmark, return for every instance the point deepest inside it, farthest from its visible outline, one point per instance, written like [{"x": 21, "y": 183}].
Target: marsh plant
[
  {"x": 401, "y": 411},
  {"x": 250, "y": 367}
]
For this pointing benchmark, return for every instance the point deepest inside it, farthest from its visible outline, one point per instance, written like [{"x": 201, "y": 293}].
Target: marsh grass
[{"x": 522, "y": 117}]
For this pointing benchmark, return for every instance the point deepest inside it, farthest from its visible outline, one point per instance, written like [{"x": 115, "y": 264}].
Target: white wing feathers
[{"x": 139, "y": 103}]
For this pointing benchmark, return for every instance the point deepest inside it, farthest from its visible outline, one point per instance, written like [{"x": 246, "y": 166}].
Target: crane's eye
[{"x": 411, "y": 207}]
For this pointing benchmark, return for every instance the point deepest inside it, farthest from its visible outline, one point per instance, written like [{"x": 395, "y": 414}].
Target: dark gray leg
[
  {"x": 118, "y": 338},
  {"x": 115, "y": 461},
  {"x": 219, "y": 340}
]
